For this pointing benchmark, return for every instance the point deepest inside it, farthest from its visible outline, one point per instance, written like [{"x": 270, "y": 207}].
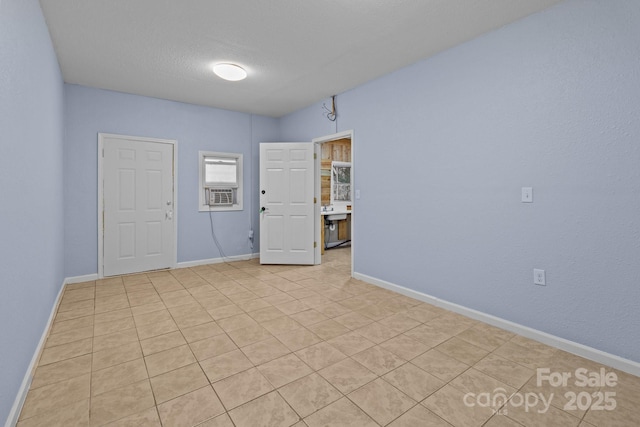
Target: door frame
[
  {"x": 317, "y": 192},
  {"x": 174, "y": 144}
]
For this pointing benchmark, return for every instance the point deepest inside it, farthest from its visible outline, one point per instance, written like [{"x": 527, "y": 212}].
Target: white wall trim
[
  {"x": 12, "y": 419},
  {"x": 197, "y": 263},
  {"x": 81, "y": 279},
  {"x": 590, "y": 353}
]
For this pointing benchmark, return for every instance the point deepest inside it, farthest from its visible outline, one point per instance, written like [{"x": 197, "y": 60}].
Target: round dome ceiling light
[{"x": 231, "y": 72}]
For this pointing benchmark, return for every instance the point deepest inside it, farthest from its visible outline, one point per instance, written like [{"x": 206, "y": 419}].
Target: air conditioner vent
[{"x": 221, "y": 196}]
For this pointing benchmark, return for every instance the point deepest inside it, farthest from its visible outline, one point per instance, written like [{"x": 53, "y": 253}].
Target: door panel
[
  {"x": 287, "y": 222},
  {"x": 138, "y": 200}
]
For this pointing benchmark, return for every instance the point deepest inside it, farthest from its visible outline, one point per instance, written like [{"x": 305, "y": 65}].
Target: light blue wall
[
  {"x": 31, "y": 210},
  {"x": 552, "y": 102},
  {"x": 90, "y": 111}
]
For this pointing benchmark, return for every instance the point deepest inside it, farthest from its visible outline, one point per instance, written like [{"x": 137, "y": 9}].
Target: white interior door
[
  {"x": 138, "y": 202},
  {"x": 286, "y": 203}
]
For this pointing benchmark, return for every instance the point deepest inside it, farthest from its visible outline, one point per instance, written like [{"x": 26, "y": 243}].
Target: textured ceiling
[{"x": 296, "y": 52}]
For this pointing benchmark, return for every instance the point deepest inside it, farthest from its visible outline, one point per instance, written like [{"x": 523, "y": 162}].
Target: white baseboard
[
  {"x": 12, "y": 419},
  {"x": 197, "y": 263},
  {"x": 80, "y": 279},
  {"x": 590, "y": 353}
]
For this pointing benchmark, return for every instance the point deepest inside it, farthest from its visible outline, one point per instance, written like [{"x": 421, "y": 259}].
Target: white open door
[
  {"x": 138, "y": 198},
  {"x": 287, "y": 203}
]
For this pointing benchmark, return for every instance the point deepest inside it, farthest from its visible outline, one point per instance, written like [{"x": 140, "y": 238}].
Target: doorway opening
[{"x": 334, "y": 192}]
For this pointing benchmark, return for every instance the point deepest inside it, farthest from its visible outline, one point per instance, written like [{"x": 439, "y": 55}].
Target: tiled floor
[{"x": 249, "y": 345}]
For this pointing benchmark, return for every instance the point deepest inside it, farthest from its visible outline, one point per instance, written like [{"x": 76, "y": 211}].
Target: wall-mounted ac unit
[{"x": 220, "y": 196}]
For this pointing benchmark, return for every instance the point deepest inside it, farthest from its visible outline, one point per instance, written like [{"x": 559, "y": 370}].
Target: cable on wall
[
  {"x": 331, "y": 114},
  {"x": 225, "y": 258}
]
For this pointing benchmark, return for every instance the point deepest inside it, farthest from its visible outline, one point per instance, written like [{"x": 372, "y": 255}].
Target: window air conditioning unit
[{"x": 221, "y": 196}]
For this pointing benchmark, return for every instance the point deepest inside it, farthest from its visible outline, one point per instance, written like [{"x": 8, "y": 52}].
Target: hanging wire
[
  {"x": 225, "y": 258},
  {"x": 331, "y": 114}
]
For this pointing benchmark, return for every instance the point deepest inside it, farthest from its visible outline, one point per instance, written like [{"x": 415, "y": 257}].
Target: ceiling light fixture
[{"x": 231, "y": 72}]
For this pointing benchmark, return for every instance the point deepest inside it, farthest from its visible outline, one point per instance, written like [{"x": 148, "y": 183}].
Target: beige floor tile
[
  {"x": 76, "y": 305},
  {"x": 193, "y": 319},
  {"x": 483, "y": 338},
  {"x": 399, "y": 323},
  {"x": 249, "y": 335},
  {"x": 382, "y": 401},
  {"x": 462, "y": 351},
  {"x": 74, "y": 313},
  {"x": 298, "y": 339},
  {"x": 527, "y": 357},
  {"x": 147, "y": 308},
  {"x": 413, "y": 381},
  {"x": 378, "y": 360},
  {"x": 419, "y": 416},
  {"x": 505, "y": 370},
  {"x": 376, "y": 332},
  {"x": 162, "y": 342},
  {"x": 218, "y": 368},
  {"x": 219, "y": 421},
  {"x": 151, "y": 330},
  {"x": 224, "y": 312},
  {"x": 474, "y": 381},
  {"x": 405, "y": 347},
  {"x": 212, "y": 347},
  {"x": 280, "y": 325},
  {"x": 309, "y": 394},
  {"x": 52, "y": 396},
  {"x": 347, "y": 375},
  {"x": 118, "y": 376},
  {"x": 121, "y": 403},
  {"x": 202, "y": 331},
  {"x": 168, "y": 360},
  {"x": 238, "y": 321},
  {"x": 68, "y": 325},
  {"x": 501, "y": 420},
  {"x": 115, "y": 339},
  {"x": 269, "y": 410},
  {"x": 448, "y": 403},
  {"x": 178, "y": 382},
  {"x": 190, "y": 409},
  {"x": 66, "y": 351},
  {"x": 292, "y": 307},
  {"x": 353, "y": 320},
  {"x": 428, "y": 335},
  {"x": 553, "y": 417},
  {"x": 347, "y": 337},
  {"x": 320, "y": 355},
  {"x": 241, "y": 388},
  {"x": 105, "y": 328},
  {"x": 328, "y": 329},
  {"x": 440, "y": 365},
  {"x": 284, "y": 370},
  {"x": 75, "y": 414},
  {"x": 332, "y": 310},
  {"x": 69, "y": 336},
  {"x": 265, "y": 314},
  {"x": 351, "y": 343},
  {"x": 264, "y": 351},
  {"x": 147, "y": 418},
  {"x": 153, "y": 317},
  {"x": 342, "y": 413},
  {"x": 61, "y": 371}
]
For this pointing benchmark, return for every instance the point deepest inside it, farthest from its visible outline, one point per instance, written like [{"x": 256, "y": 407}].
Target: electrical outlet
[
  {"x": 539, "y": 277},
  {"x": 251, "y": 235}
]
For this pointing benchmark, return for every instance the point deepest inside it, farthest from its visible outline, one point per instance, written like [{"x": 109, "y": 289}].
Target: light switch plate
[
  {"x": 527, "y": 195},
  {"x": 357, "y": 194}
]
